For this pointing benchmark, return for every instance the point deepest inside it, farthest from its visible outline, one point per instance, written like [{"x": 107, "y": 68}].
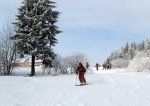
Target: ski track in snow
[{"x": 103, "y": 89}]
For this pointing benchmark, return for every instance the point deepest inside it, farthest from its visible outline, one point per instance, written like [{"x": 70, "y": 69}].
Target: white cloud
[{"x": 125, "y": 15}]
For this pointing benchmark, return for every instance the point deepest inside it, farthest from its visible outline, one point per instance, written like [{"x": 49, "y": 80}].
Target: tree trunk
[{"x": 33, "y": 66}]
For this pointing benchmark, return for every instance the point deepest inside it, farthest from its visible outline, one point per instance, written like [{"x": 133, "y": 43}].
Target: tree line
[{"x": 122, "y": 58}]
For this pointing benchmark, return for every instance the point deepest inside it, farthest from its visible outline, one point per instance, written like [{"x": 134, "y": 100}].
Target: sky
[{"x": 93, "y": 27}]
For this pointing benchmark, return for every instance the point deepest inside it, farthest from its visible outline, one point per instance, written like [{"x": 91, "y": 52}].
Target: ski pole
[
  {"x": 76, "y": 79},
  {"x": 85, "y": 76}
]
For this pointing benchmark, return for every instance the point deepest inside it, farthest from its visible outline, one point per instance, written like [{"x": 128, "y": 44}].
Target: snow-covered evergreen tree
[
  {"x": 126, "y": 48},
  {"x": 147, "y": 45},
  {"x": 36, "y": 30}
]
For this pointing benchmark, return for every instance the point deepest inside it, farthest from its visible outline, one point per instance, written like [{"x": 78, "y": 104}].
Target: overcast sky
[{"x": 94, "y": 27}]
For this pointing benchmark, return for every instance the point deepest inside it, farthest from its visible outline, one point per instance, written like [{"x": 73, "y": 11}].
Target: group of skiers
[{"x": 107, "y": 66}]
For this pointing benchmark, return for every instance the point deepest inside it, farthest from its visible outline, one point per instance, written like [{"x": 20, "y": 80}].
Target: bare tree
[
  {"x": 7, "y": 49},
  {"x": 60, "y": 65},
  {"x": 74, "y": 59}
]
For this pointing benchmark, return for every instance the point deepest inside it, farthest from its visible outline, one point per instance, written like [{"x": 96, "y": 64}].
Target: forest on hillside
[{"x": 132, "y": 56}]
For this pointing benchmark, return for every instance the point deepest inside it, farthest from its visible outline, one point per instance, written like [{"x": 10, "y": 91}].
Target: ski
[
  {"x": 80, "y": 84},
  {"x": 85, "y": 84}
]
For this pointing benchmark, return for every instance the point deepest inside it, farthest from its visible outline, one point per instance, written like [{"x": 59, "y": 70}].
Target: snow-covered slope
[{"x": 103, "y": 89}]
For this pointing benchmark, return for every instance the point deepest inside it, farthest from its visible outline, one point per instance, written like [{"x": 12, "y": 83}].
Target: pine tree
[
  {"x": 36, "y": 30},
  {"x": 126, "y": 48}
]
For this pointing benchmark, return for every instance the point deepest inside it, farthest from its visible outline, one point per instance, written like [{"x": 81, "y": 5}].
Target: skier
[
  {"x": 81, "y": 71},
  {"x": 87, "y": 65},
  {"x": 104, "y": 66},
  {"x": 97, "y": 65},
  {"x": 110, "y": 65}
]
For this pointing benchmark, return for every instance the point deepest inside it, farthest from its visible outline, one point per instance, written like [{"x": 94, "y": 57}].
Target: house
[{"x": 27, "y": 62}]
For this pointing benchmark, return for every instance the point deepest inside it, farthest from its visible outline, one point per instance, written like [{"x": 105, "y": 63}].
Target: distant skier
[
  {"x": 97, "y": 65},
  {"x": 81, "y": 71},
  {"x": 110, "y": 65},
  {"x": 87, "y": 65},
  {"x": 104, "y": 66}
]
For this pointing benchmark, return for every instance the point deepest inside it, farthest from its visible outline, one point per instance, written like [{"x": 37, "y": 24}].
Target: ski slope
[{"x": 105, "y": 88}]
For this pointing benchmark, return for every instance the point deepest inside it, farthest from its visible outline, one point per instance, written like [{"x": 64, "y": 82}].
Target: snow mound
[{"x": 140, "y": 63}]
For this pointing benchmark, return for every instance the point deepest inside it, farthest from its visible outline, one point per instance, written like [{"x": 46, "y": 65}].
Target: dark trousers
[
  {"x": 81, "y": 77},
  {"x": 96, "y": 68}
]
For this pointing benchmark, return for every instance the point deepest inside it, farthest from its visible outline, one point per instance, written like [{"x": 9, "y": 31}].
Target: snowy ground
[{"x": 105, "y": 88}]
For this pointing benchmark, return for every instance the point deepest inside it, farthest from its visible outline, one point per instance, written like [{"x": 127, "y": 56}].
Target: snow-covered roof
[{"x": 26, "y": 60}]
